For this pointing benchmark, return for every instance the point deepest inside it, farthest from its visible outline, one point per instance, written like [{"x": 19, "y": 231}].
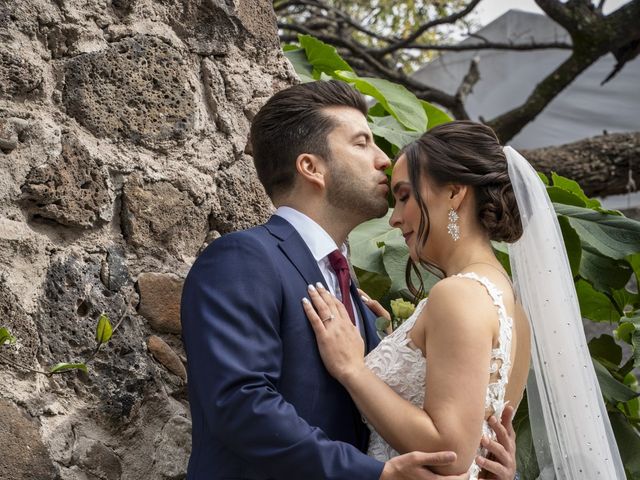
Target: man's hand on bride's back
[
  {"x": 501, "y": 463},
  {"x": 415, "y": 466}
]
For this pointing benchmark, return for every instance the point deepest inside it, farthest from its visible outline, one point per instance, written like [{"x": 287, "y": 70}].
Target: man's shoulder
[{"x": 255, "y": 237}]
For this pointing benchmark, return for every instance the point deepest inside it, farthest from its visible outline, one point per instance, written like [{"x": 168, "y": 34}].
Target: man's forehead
[{"x": 347, "y": 119}]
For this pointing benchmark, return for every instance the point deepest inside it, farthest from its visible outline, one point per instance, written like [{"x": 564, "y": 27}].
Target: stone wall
[{"x": 123, "y": 130}]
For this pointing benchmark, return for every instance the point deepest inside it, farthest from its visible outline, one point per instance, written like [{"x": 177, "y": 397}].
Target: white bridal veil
[{"x": 571, "y": 430}]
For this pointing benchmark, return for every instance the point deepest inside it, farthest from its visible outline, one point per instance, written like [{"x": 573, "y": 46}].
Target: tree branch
[
  {"x": 426, "y": 26},
  {"x": 470, "y": 79},
  {"x": 489, "y": 46},
  {"x": 342, "y": 16},
  {"x": 510, "y": 123}
]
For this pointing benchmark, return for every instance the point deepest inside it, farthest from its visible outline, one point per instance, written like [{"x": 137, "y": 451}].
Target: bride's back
[{"x": 521, "y": 334}]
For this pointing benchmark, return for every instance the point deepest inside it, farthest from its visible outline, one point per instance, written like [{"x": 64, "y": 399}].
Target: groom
[{"x": 263, "y": 406}]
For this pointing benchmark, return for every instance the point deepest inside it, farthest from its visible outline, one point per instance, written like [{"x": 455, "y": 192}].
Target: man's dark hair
[{"x": 293, "y": 122}]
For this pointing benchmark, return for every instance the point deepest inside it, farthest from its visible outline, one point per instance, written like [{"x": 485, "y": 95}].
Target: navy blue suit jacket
[{"x": 263, "y": 405}]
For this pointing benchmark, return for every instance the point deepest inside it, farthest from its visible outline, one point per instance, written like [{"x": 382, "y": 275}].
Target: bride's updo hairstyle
[{"x": 465, "y": 153}]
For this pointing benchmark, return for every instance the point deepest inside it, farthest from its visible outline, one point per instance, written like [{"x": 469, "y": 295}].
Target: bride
[{"x": 436, "y": 382}]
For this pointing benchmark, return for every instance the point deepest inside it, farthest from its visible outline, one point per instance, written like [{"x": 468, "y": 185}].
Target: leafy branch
[{"x": 104, "y": 332}]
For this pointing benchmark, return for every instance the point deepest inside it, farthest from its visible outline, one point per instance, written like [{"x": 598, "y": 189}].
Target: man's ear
[
  {"x": 311, "y": 169},
  {"x": 457, "y": 194}
]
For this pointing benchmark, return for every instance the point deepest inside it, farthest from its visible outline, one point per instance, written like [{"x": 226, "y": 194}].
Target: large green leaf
[
  {"x": 525, "y": 451},
  {"x": 571, "y": 243},
  {"x": 634, "y": 261},
  {"x": 594, "y": 305},
  {"x": 572, "y": 186},
  {"x": 435, "y": 115},
  {"x": 396, "y": 99},
  {"x": 301, "y": 65},
  {"x": 626, "y": 300},
  {"x": 605, "y": 348},
  {"x": 611, "y": 235},
  {"x": 558, "y": 195},
  {"x": 604, "y": 273},
  {"x": 392, "y": 131},
  {"x": 322, "y": 56},
  {"x": 375, "y": 284},
  {"x": 612, "y": 390},
  {"x": 366, "y": 243},
  {"x": 628, "y": 440},
  {"x": 395, "y": 257},
  {"x": 629, "y": 331}
]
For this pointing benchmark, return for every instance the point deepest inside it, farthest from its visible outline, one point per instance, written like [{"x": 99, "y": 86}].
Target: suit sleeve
[{"x": 231, "y": 307}]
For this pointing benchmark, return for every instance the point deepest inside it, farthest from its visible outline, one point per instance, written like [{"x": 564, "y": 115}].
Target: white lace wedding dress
[{"x": 400, "y": 365}]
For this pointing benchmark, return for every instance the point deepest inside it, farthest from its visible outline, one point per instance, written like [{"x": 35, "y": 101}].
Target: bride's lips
[{"x": 406, "y": 236}]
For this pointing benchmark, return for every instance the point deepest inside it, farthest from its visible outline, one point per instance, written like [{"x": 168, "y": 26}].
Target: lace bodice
[{"x": 401, "y": 365}]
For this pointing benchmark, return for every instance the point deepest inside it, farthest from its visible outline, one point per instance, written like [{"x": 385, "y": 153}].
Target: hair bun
[{"x": 499, "y": 213}]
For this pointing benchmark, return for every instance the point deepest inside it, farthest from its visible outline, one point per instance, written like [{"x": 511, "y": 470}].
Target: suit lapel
[
  {"x": 366, "y": 318},
  {"x": 294, "y": 248}
]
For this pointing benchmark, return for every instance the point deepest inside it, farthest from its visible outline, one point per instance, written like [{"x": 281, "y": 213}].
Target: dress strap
[{"x": 492, "y": 290}]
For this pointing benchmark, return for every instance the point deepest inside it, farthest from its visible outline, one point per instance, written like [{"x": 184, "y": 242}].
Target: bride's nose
[{"x": 395, "y": 219}]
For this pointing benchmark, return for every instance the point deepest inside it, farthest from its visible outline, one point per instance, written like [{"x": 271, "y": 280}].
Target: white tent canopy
[{"x": 584, "y": 109}]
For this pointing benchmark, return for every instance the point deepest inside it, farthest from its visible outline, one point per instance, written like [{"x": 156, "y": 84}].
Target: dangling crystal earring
[{"x": 453, "y": 228}]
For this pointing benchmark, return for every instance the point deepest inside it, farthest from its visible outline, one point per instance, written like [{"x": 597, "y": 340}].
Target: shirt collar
[{"x": 317, "y": 239}]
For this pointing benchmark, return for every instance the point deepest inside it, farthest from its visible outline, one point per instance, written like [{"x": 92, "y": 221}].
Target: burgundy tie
[{"x": 341, "y": 267}]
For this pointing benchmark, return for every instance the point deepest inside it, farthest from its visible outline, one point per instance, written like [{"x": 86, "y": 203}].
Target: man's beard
[{"x": 353, "y": 197}]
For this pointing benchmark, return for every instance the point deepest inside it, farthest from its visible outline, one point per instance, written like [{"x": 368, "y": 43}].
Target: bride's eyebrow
[{"x": 399, "y": 185}]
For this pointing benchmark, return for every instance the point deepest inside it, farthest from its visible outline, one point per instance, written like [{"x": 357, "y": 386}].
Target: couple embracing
[{"x": 288, "y": 378}]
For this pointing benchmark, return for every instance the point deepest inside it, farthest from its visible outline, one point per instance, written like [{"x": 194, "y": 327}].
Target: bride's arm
[{"x": 459, "y": 332}]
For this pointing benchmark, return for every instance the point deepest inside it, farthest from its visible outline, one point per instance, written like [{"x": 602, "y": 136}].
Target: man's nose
[{"x": 382, "y": 161}]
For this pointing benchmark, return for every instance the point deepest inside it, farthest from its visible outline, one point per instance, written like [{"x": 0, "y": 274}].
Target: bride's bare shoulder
[{"x": 463, "y": 302}]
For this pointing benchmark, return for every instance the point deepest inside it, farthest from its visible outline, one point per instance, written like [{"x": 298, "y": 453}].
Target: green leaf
[
  {"x": 392, "y": 131},
  {"x": 526, "y": 458},
  {"x": 634, "y": 261},
  {"x": 612, "y": 390},
  {"x": 367, "y": 241},
  {"x": 594, "y": 305},
  {"x": 544, "y": 178},
  {"x": 375, "y": 284},
  {"x": 396, "y": 99},
  {"x": 571, "y": 243},
  {"x": 605, "y": 348},
  {"x": 628, "y": 440},
  {"x": 6, "y": 337},
  {"x": 625, "y": 331},
  {"x": 382, "y": 323},
  {"x": 395, "y": 257},
  {"x": 612, "y": 236},
  {"x": 65, "y": 367},
  {"x": 604, "y": 273},
  {"x": 103, "y": 330},
  {"x": 558, "y": 195},
  {"x": 322, "y": 56},
  {"x": 633, "y": 406},
  {"x": 573, "y": 187},
  {"x": 301, "y": 65},
  {"x": 377, "y": 110},
  {"x": 435, "y": 115},
  {"x": 625, "y": 300},
  {"x": 501, "y": 251}
]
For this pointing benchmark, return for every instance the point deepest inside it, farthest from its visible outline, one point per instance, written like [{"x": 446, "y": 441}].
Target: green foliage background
[{"x": 603, "y": 248}]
